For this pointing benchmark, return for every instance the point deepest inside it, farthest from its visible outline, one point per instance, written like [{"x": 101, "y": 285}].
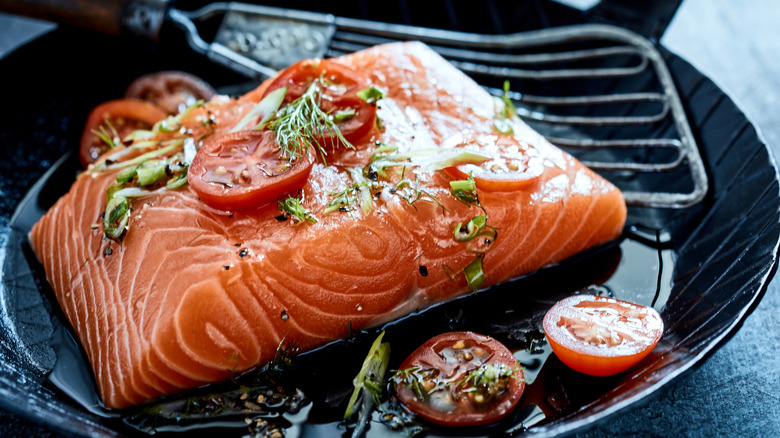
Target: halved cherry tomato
[
  {"x": 339, "y": 94},
  {"x": 460, "y": 379},
  {"x": 170, "y": 90},
  {"x": 515, "y": 165},
  {"x": 601, "y": 336},
  {"x": 118, "y": 118},
  {"x": 244, "y": 169}
]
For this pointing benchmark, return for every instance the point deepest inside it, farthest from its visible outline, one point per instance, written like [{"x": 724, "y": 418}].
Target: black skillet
[{"x": 718, "y": 260}]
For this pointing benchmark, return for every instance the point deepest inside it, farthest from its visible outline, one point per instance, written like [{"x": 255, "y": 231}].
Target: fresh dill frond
[
  {"x": 293, "y": 207},
  {"x": 302, "y": 124}
]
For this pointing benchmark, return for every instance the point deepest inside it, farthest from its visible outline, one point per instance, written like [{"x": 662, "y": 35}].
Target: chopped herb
[
  {"x": 343, "y": 115},
  {"x": 474, "y": 274},
  {"x": 472, "y": 228},
  {"x": 115, "y": 221},
  {"x": 465, "y": 191},
  {"x": 509, "y": 107},
  {"x": 263, "y": 111},
  {"x": 371, "y": 94},
  {"x": 109, "y": 138},
  {"x": 382, "y": 151},
  {"x": 302, "y": 124},
  {"x": 368, "y": 383},
  {"x": 505, "y": 112},
  {"x": 291, "y": 206},
  {"x": 173, "y": 123},
  {"x": 152, "y": 171}
]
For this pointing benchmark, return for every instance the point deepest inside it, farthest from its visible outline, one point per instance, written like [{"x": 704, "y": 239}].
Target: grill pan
[
  {"x": 724, "y": 246},
  {"x": 629, "y": 89}
]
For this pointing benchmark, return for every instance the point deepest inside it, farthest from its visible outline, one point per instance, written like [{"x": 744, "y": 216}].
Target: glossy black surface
[{"x": 724, "y": 248}]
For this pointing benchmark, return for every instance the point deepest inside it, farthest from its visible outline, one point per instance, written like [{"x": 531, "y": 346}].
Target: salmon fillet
[{"x": 192, "y": 295}]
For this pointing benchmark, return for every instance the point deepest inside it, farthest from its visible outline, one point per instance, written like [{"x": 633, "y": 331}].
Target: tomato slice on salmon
[
  {"x": 340, "y": 85},
  {"x": 244, "y": 169},
  {"x": 460, "y": 379},
  {"x": 172, "y": 91},
  {"x": 601, "y": 336},
  {"x": 115, "y": 120},
  {"x": 514, "y": 165}
]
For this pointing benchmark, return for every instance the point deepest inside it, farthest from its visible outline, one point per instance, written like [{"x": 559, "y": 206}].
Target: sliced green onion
[
  {"x": 366, "y": 200},
  {"x": 126, "y": 175},
  {"x": 172, "y": 146},
  {"x": 474, "y": 274},
  {"x": 432, "y": 159},
  {"x": 371, "y": 94},
  {"x": 179, "y": 180},
  {"x": 189, "y": 150},
  {"x": 173, "y": 123},
  {"x": 464, "y": 185},
  {"x": 503, "y": 126},
  {"x": 343, "y": 115},
  {"x": 151, "y": 172},
  {"x": 509, "y": 107},
  {"x": 263, "y": 111},
  {"x": 116, "y": 217},
  {"x": 293, "y": 207},
  {"x": 139, "y": 134},
  {"x": 370, "y": 377},
  {"x": 382, "y": 151},
  {"x": 464, "y": 233}
]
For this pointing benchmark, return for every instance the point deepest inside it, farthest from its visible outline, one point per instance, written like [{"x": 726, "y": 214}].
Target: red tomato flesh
[
  {"x": 601, "y": 336},
  {"x": 124, "y": 116},
  {"x": 514, "y": 165},
  {"x": 243, "y": 170},
  {"x": 339, "y": 93},
  {"x": 444, "y": 395}
]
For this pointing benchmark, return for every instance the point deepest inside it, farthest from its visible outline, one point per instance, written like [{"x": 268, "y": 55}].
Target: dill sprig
[{"x": 302, "y": 124}]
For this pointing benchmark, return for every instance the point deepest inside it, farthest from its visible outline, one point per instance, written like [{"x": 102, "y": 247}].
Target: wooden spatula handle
[
  {"x": 98, "y": 15},
  {"x": 142, "y": 18}
]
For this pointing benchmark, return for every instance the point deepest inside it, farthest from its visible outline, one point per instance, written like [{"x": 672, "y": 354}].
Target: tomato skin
[
  {"x": 243, "y": 170},
  {"x": 170, "y": 90},
  {"x": 514, "y": 166},
  {"x": 125, "y": 115},
  {"x": 440, "y": 354},
  {"x": 620, "y": 333},
  {"x": 341, "y": 96}
]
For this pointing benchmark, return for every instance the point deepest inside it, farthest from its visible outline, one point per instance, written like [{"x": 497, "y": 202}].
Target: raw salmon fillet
[{"x": 192, "y": 295}]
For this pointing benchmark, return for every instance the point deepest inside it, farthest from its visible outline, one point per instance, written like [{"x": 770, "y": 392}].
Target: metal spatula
[{"x": 638, "y": 91}]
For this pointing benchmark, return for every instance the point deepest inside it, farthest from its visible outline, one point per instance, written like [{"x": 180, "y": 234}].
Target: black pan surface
[{"x": 710, "y": 271}]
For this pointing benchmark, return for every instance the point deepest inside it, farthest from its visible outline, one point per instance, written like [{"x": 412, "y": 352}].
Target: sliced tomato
[
  {"x": 339, "y": 94},
  {"x": 172, "y": 91},
  {"x": 244, "y": 169},
  {"x": 118, "y": 118},
  {"x": 514, "y": 165},
  {"x": 460, "y": 379},
  {"x": 601, "y": 336}
]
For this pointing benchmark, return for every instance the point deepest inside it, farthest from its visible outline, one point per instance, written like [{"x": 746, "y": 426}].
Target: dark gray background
[{"x": 736, "y": 391}]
